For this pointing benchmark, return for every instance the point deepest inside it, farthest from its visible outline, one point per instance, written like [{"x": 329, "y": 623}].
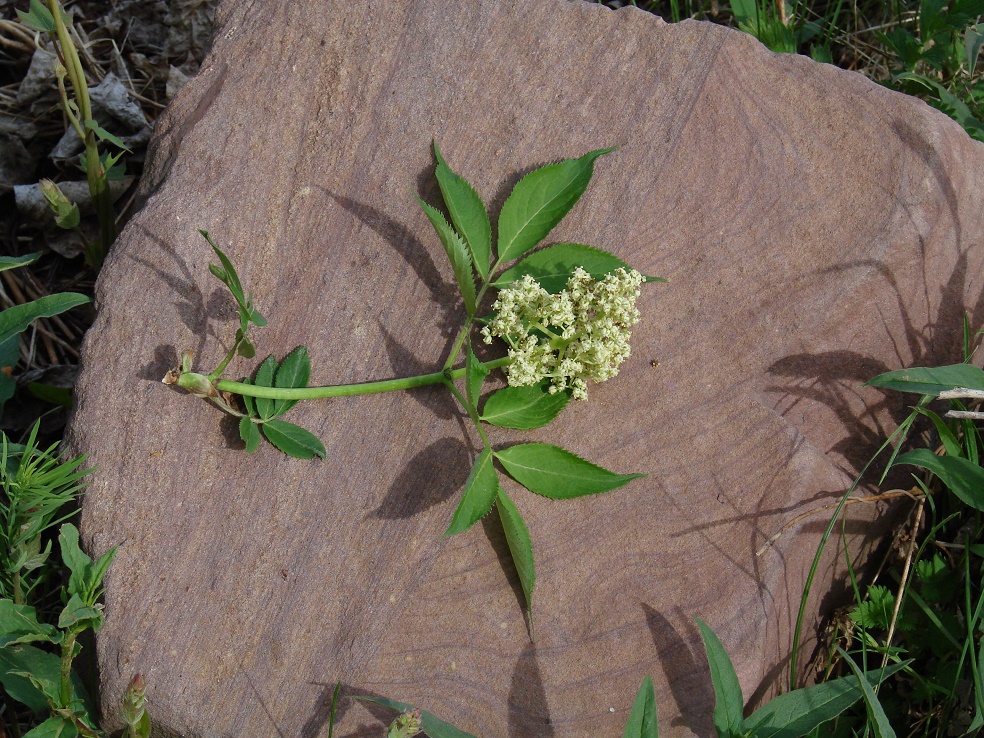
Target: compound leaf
[
  {"x": 540, "y": 201},
  {"x": 294, "y": 371},
  {"x": 457, "y": 254},
  {"x": 523, "y": 408},
  {"x": 554, "y": 265},
  {"x": 520, "y": 544},
  {"x": 480, "y": 492},
  {"x": 554, "y": 472},
  {"x": 293, "y": 440},
  {"x": 249, "y": 433},
  {"x": 264, "y": 378},
  {"x": 467, "y": 213}
]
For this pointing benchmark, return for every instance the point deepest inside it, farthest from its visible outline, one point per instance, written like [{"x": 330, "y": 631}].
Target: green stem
[
  {"x": 472, "y": 412},
  {"x": 18, "y": 594},
  {"x": 347, "y": 390},
  {"x": 466, "y": 328},
  {"x": 67, "y": 656}
]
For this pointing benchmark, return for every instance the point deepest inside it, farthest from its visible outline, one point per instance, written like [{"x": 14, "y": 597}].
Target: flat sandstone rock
[{"x": 815, "y": 229}]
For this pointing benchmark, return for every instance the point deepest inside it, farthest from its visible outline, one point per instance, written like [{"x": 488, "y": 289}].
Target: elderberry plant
[{"x": 565, "y": 313}]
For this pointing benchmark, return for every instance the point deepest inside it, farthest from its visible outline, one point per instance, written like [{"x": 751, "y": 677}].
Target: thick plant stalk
[{"x": 95, "y": 175}]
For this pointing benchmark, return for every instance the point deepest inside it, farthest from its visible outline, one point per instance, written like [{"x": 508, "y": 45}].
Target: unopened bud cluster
[{"x": 579, "y": 334}]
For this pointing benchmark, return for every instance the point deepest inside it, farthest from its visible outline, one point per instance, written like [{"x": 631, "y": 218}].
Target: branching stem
[{"x": 346, "y": 390}]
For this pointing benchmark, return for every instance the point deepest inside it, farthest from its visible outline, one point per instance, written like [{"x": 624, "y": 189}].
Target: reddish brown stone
[{"x": 816, "y": 230}]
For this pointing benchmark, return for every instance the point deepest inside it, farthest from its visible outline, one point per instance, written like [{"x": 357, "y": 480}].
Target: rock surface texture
[{"x": 815, "y": 228}]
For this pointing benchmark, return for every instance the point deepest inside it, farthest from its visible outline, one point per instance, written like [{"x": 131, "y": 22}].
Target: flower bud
[{"x": 66, "y": 213}]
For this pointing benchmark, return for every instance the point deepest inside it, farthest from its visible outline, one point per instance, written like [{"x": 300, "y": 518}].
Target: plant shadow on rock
[
  {"x": 432, "y": 476},
  {"x": 527, "y": 702},
  {"x": 686, "y": 671},
  {"x": 410, "y": 248},
  {"x": 833, "y": 378}
]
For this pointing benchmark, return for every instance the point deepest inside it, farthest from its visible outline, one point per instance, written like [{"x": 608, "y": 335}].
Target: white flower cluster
[{"x": 580, "y": 333}]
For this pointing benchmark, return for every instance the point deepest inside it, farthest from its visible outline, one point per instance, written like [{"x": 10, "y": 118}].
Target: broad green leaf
[
  {"x": 54, "y": 727},
  {"x": 293, "y": 440},
  {"x": 728, "y": 700},
  {"x": 964, "y": 479},
  {"x": 294, "y": 372},
  {"x": 520, "y": 544},
  {"x": 554, "y": 265},
  {"x": 642, "y": 718},
  {"x": 20, "y": 658},
  {"x": 479, "y": 495},
  {"x": 796, "y": 713},
  {"x": 38, "y": 18},
  {"x": 540, "y": 201},
  {"x": 557, "y": 473},
  {"x": 931, "y": 380},
  {"x": 16, "y": 319},
  {"x": 877, "y": 719},
  {"x": 55, "y": 395},
  {"x": 249, "y": 433},
  {"x": 19, "y": 624},
  {"x": 973, "y": 39},
  {"x": 264, "y": 378},
  {"x": 467, "y": 213},
  {"x": 457, "y": 253},
  {"x": 12, "y": 262},
  {"x": 434, "y": 727},
  {"x": 74, "y": 557},
  {"x": 9, "y": 356},
  {"x": 475, "y": 374},
  {"x": 246, "y": 349},
  {"x": 531, "y": 406},
  {"x": 76, "y": 613},
  {"x": 103, "y": 135}
]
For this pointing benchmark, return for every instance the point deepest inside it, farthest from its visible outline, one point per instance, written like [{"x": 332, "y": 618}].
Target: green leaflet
[
  {"x": 475, "y": 374},
  {"x": 931, "y": 380},
  {"x": 16, "y": 319},
  {"x": 524, "y": 408},
  {"x": 433, "y": 726},
  {"x": 520, "y": 544},
  {"x": 103, "y": 135},
  {"x": 557, "y": 473},
  {"x": 250, "y": 434},
  {"x": 728, "y": 700},
  {"x": 39, "y": 18},
  {"x": 964, "y": 478},
  {"x": 467, "y": 213},
  {"x": 553, "y": 266},
  {"x": 293, "y": 440},
  {"x": 540, "y": 201},
  {"x": 264, "y": 378},
  {"x": 19, "y": 624},
  {"x": 642, "y": 719},
  {"x": 457, "y": 253},
  {"x": 12, "y": 262},
  {"x": 796, "y": 713},
  {"x": 294, "y": 371},
  {"x": 479, "y": 495},
  {"x": 54, "y": 727}
]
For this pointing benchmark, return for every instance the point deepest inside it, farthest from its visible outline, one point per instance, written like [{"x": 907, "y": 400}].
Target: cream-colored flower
[{"x": 579, "y": 334}]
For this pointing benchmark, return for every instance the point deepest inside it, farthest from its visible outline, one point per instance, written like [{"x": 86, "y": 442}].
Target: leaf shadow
[
  {"x": 686, "y": 671},
  {"x": 432, "y": 476},
  {"x": 527, "y": 701}
]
